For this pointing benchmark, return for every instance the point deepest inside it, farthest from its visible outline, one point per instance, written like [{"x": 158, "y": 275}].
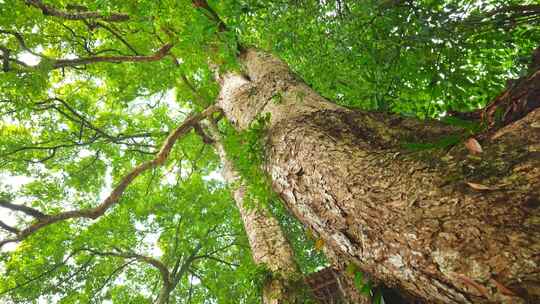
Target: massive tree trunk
[
  {"x": 447, "y": 226},
  {"x": 268, "y": 243}
]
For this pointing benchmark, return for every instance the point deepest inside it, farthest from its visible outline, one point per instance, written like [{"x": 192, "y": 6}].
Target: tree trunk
[
  {"x": 164, "y": 294},
  {"x": 447, "y": 226},
  {"x": 268, "y": 243},
  {"x": 270, "y": 246}
]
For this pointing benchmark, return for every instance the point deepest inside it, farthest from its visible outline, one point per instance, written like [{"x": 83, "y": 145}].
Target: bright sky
[
  {"x": 29, "y": 59},
  {"x": 6, "y": 216}
]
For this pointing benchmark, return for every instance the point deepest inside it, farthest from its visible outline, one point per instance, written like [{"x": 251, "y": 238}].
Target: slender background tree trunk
[
  {"x": 268, "y": 243},
  {"x": 448, "y": 226},
  {"x": 164, "y": 295}
]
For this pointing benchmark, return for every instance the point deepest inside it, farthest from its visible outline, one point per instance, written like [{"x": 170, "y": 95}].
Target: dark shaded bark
[
  {"x": 522, "y": 97},
  {"x": 446, "y": 226}
]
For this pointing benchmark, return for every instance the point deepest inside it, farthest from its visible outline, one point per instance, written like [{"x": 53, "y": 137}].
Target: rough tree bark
[
  {"x": 447, "y": 226},
  {"x": 268, "y": 243}
]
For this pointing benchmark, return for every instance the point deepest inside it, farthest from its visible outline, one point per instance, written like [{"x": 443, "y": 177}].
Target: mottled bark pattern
[
  {"x": 446, "y": 226},
  {"x": 268, "y": 243}
]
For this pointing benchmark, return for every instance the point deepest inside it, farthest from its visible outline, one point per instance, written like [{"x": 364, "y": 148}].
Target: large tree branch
[
  {"x": 8, "y": 228},
  {"x": 211, "y": 14},
  {"x": 62, "y": 63},
  {"x": 511, "y": 105},
  {"x": 21, "y": 41},
  {"x": 24, "y": 209},
  {"x": 162, "y": 52},
  {"x": 79, "y": 15},
  {"x": 164, "y": 271},
  {"x": 76, "y": 62},
  {"x": 170, "y": 278},
  {"x": 506, "y": 16},
  {"x": 114, "y": 196}
]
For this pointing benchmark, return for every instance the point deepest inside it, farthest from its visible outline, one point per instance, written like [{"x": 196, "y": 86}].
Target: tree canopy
[{"x": 109, "y": 190}]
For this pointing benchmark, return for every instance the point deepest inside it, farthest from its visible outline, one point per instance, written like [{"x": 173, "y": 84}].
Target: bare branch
[
  {"x": 128, "y": 255},
  {"x": 8, "y": 228},
  {"x": 211, "y": 257},
  {"x": 110, "y": 276},
  {"x": 24, "y": 209},
  {"x": 205, "y": 137},
  {"x": 176, "y": 243},
  {"x": 162, "y": 52},
  {"x": 80, "y": 15},
  {"x": 68, "y": 279},
  {"x": 73, "y": 115},
  {"x": 202, "y": 100},
  {"x": 21, "y": 41},
  {"x": 211, "y": 13},
  {"x": 80, "y": 119},
  {"x": 219, "y": 249},
  {"x": 179, "y": 272},
  {"x": 118, "y": 36},
  {"x": 52, "y": 148},
  {"x": 84, "y": 42},
  {"x": 5, "y": 58},
  {"x": 82, "y": 61},
  {"x": 114, "y": 196}
]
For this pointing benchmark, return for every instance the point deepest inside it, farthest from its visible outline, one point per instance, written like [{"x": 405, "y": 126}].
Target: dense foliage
[
  {"x": 84, "y": 100},
  {"x": 411, "y": 57}
]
